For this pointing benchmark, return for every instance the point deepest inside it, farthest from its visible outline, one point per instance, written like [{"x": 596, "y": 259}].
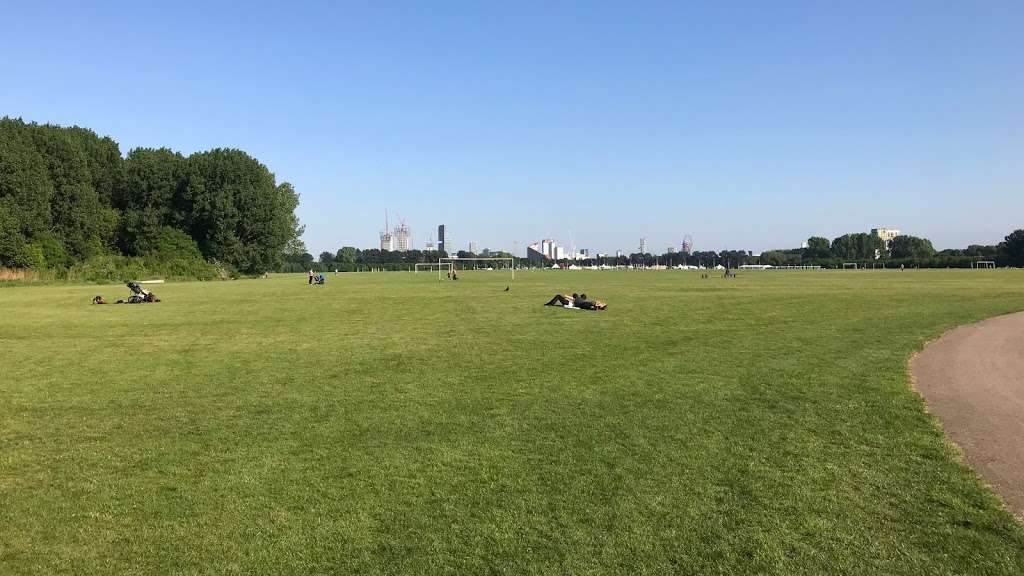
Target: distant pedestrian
[{"x": 310, "y": 276}]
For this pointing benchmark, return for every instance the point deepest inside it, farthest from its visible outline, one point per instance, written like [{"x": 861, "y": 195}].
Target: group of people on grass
[
  {"x": 315, "y": 278},
  {"x": 579, "y": 301}
]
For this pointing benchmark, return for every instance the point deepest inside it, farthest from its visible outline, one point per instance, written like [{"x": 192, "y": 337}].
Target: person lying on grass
[
  {"x": 577, "y": 301},
  {"x": 563, "y": 300},
  {"x": 587, "y": 304}
]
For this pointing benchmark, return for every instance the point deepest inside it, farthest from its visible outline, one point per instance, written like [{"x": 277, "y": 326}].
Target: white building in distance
[
  {"x": 886, "y": 234},
  {"x": 403, "y": 238}
]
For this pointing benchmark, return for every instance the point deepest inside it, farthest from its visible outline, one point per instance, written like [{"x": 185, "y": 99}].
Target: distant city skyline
[
  {"x": 746, "y": 127},
  {"x": 400, "y": 239}
]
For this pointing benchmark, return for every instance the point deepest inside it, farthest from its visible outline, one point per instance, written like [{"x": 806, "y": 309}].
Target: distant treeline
[
  {"x": 69, "y": 202},
  {"x": 861, "y": 248},
  {"x": 350, "y": 259},
  {"x": 910, "y": 251}
]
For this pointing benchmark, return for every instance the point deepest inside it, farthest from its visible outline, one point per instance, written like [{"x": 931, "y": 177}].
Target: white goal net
[
  {"x": 489, "y": 264},
  {"x": 439, "y": 266}
]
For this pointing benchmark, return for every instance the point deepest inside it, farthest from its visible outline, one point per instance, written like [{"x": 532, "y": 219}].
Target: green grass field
[{"x": 391, "y": 424}]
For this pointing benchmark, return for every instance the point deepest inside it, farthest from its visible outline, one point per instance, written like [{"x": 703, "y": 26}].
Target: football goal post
[
  {"x": 495, "y": 264},
  {"x": 431, "y": 265},
  {"x": 984, "y": 265},
  {"x": 849, "y": 265}
]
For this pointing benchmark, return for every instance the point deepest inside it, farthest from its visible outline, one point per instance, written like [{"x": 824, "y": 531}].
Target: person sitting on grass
[
  {"x": 99, "y": 300},
  {"x": 563, "y": 300}
]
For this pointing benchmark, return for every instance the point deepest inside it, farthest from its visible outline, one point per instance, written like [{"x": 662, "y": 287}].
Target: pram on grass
[{"x": 139, "y": 295}]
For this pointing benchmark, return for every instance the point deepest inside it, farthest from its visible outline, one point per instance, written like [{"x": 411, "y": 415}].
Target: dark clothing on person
[{"x": 559, "y": 300}]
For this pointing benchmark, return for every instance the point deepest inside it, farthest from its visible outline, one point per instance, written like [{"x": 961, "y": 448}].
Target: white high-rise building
[
  {"x": 387, "y": 241},
  {"x": 403, "y": 238},
  {"x": 547, "y": 250}
]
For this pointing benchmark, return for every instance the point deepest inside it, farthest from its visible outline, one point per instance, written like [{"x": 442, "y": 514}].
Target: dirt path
[{"x": 973, "y": 381}]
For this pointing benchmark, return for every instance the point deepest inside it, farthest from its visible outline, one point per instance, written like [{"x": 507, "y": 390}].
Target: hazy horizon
[{"x": 745, "y": 126}]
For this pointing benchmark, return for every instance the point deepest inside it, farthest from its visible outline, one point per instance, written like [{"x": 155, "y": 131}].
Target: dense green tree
[
  {"x": 347, "y": 255},
  {"x": 12, "y": 241},
  {"x": 80, "y": 218},
  {"x": 858, "y": 246},
  {"x": 902, "y": 247},
  {"x": 817, "y": 247},
  {"x": 734, "y": 258},
  {"x": 981, "y": 251},
  {"x": 409, "y": 256},
  {"x": 173, "y": 244},
  {"x": 1013, "y": 244},
  {"x": 67, "y": 195},
  {"x": 25, "y": 187},
  {"x": 238, "y": 214},
  {"x": 151, "y": 196},
  {"x": 704, "y": 258},
  {"x": 872, "y": 246},
  {"x": 294, "y": 250},
  {"x": 105, "y": 165},
  {"x": 792, "y": 257},
  {"x": 371, "y": 256},
  {"x": 844, "y": 247}
]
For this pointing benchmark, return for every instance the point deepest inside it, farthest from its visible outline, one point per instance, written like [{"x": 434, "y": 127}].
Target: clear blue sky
[{"x": 749, "y": 125}]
